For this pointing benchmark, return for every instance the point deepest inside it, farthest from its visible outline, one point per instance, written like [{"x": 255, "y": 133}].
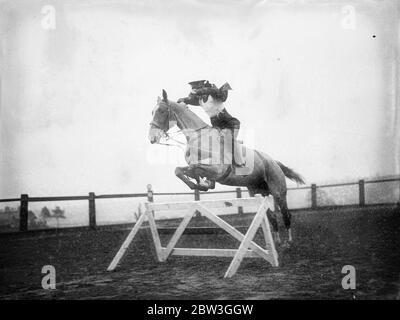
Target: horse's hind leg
[
  {"x": 286, "y": 215},
  {"x": 272, "y": 217}
]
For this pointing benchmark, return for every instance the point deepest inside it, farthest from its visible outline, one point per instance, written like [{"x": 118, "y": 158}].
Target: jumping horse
[{"x": 209, "y": 156}]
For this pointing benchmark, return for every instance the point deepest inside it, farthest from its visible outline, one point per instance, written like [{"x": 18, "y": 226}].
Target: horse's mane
[{"x": 182, "y": 109}]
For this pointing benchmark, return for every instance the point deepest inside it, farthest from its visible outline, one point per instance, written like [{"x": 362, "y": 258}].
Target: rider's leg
[{"x": 237, "y": 149}]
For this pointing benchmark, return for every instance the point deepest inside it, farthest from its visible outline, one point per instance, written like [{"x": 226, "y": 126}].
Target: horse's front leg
[
  {"x": 205, "y": 184},
  {"x": 212, "y": 184},
  {"x": 195, "y": 172},
  {"x": 182, "y": 173},
  {"x": 208, "y": 172}
]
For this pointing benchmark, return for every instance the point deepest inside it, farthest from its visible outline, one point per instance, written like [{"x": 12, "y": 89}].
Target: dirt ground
[{"x": 324, "y": 241}]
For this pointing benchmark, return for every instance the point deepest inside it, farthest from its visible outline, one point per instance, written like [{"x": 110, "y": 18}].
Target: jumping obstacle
[{"x": 248, "y": 248}]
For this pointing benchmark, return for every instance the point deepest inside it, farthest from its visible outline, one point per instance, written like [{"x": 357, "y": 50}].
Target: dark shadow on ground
[{"x": 325, "y": 241}]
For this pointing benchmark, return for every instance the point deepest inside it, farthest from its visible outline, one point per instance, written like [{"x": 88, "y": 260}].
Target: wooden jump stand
[{"x": 248, "y": 248}]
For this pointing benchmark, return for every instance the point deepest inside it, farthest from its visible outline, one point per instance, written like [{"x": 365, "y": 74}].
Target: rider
[{"x": 214, "y": 107}]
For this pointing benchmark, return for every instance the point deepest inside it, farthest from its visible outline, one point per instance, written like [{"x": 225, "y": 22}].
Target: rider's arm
[{"x": 191, "y": 99}]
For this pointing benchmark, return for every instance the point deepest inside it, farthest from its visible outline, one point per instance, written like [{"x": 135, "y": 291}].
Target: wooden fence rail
[{"x": 91, "y": 198}]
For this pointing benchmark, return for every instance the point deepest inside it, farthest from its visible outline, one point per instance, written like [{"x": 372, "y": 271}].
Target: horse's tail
[{"x": 291, "y": 174}]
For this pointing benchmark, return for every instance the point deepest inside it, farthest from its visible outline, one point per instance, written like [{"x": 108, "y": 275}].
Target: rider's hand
[{"x": 180, "y": 100}]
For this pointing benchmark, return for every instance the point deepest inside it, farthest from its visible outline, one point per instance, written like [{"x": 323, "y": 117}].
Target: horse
[{"x": 209, "y": 156}]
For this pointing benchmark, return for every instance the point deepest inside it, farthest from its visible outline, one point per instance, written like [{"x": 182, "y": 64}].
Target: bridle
[{"x": 167, "y": 135}]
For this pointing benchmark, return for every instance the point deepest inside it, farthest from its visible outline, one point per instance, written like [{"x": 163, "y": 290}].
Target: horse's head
[
  {"x": 161, "y": 116},
  {"x": 168, "y": 114}
]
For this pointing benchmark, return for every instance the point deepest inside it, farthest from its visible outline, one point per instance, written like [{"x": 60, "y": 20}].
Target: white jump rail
[{"x": 248, "y": 248}]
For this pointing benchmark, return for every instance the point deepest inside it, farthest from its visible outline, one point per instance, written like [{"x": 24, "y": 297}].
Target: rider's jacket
[
  {"x": 201, "y": 89},
  {"x": 224, "y": 120}
]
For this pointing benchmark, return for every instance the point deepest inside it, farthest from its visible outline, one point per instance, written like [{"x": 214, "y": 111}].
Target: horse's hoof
[{"x": 202, "y": 188}]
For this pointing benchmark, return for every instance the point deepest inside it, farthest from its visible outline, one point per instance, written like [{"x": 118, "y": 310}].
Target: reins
[{"x": 168, "y": 136}]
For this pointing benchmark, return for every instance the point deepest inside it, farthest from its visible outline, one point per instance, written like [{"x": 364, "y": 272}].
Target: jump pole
[{"x": 247, "y": 248}]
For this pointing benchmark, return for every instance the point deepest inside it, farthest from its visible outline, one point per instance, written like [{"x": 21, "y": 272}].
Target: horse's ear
[
  {"x": 158, "y": 99},
  {"x": 164, "y": 95}
]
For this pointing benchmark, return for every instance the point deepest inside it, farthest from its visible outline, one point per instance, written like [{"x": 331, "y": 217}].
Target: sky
[{"x": 314, "y": 86}]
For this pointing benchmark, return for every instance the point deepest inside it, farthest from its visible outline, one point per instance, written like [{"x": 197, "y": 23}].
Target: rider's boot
[{"x": 238, "y": 159}]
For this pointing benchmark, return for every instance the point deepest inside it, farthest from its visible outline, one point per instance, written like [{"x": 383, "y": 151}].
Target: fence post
[
  {"x": 197, "y": 198},
  {"x": 313, "y": 196},
  {"x": 92, "y": 210},
  {"x": 239, "y": 195},
  {"x": 361, "y": 189},
  {"x": 23, "y": 213},
  {"x": 150, "y": 193},
  {"x": 196, "y": 195}
]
